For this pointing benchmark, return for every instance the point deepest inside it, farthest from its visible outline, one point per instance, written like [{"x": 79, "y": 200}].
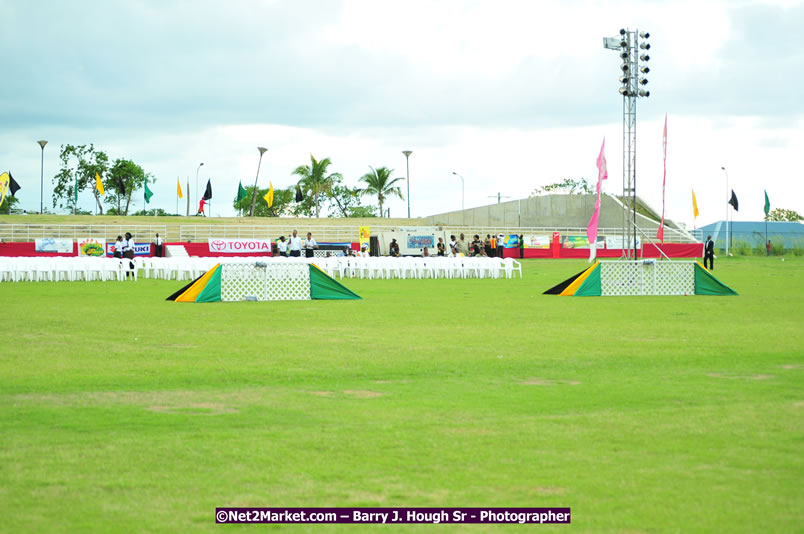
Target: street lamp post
[
  {"x": 42, "y": 144},
  {"x": 727, "y": 208},
  {"x": 462, "y": 187},
  {"x": 254, "y": 195},
  {"x": 407, "y": 154},
  {"x": 196, "y": 181}
]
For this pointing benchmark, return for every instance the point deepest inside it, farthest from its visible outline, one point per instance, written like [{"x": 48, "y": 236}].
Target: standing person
[
  {"x": 128, "y": 246},
  {"x": 282, "y": 247},
  {"x": 309, "y": 245},
  {"x": 487, "y": 245},
  {"x": 768, "y": 248},
  {"x": 521, "y": 246},
  {"x": 462, "y": 246},
  {"x": 295, "y": 245},
  {"x": 201, "y": 204},
  {"x": 500, "y": 245},
  {"x": 453, "y": 246},
  {"x": 128, "y": 252},
  {"x": 158, "y": 243},
  {"x": 426, "y": 253},
  {"x": 442, "y": 249},
  {"x": 493, "y": 246},
  {"x": 709, "y": 253},
  {"x": 118, "y": 248}
]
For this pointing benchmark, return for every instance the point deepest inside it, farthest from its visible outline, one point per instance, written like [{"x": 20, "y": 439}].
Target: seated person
[
  {"x": 426, "y": 252},
  {"x": 393, "y": 249}
]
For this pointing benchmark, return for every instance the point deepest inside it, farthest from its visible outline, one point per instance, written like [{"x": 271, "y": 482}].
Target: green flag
[
  {"x": 148, "y": 193},
  {"x": 241, "y": 193},
  {"x": 767, "y": 203}
]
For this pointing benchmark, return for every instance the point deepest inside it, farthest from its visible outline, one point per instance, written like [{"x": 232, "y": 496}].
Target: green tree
[
  {"x": 8, "y": 204},
  {"x": 131, "y": 176},
  {"x": 567, "y": 186},
  {"x": 315, "y": 180},
  {"x": 379, "y": 182},
  {"x": 346, "y": 201},
  {"x": 87, "y": 163},
  {"x": 781, "y": 214},
  {"x": 156, "y": 212},
  {"x": 283, "y": 201}
]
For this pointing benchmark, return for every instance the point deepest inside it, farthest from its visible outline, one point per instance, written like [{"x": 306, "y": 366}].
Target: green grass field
[{"x": 121, "y": 412}]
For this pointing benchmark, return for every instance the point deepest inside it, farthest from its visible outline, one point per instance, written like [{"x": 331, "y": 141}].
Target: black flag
[
  {"x": 121, "y": 186},
  {"x": 299, "y": 196},
  {"x": 733, "y": 201},
  {"x": 12, "y": 184},
  {"x": 208, "y": 192}
]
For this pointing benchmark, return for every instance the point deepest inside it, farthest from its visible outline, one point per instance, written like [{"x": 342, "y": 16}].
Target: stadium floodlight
[{"x": 633, "y": 47}]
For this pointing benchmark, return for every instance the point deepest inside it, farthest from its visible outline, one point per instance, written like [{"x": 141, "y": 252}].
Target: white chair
[
  {"x": 512, "y": 265},
  {"x": 127, "y": 267}
]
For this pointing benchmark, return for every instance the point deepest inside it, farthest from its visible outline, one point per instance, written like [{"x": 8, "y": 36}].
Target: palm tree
[
  {"x": 378, "y": 182},
  {"x": 314, "y": 178}
]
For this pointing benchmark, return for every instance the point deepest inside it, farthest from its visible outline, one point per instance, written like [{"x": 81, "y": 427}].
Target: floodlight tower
[{"x": 632, "y": 80}]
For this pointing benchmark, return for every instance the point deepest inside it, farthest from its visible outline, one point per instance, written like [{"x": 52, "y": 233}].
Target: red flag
[
  {"x": 660, "y": 232},
  {"x": 602, "y": 174}
]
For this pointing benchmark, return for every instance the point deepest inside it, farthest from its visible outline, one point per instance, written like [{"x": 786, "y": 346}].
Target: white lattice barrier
[
  {"x": 647, "y": 278},
  {"x": 273, "y": 281}
]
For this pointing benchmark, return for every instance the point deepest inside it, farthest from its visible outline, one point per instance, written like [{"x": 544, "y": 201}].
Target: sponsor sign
[
  {"x": 223, "y": 245},
  {"x": 365, "y": 236},
  {"x": 537, "y": 241},
  {"x": 140, "y": 249},
  {"x": 51, "y": 245},
  {"x": 89, "y": 246},
  {"x": 421, "y": 241},
  {"x": 617, "y": 242},
  {"x": 511, "y": 241}
]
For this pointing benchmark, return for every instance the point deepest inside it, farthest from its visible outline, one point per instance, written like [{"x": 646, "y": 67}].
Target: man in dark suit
[{"x": 709, "y": 253}]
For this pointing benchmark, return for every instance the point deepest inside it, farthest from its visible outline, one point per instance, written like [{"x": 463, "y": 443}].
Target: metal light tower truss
[{"x": 632, "y": 54}]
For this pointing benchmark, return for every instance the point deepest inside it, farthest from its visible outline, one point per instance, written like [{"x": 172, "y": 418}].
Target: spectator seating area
[{"x": 73, "y": 269}]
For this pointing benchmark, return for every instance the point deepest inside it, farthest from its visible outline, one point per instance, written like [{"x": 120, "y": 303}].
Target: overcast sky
[{"x": 511, "y": 95}]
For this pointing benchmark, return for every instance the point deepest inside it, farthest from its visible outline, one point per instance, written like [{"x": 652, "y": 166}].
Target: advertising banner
[
  {"x": 616, "y": 241},
  {"x": 511, "y": 241},
  {"x": 89, "y": 246},
  {"x": 51, "y": 245},
  {"x": 222, "y": 245},
  {"x": 421, "y": 241},
  {"x": 537, "y": 241},
  {"x": 580, "y": 241},
  {"x": 140, "y": 249},
  {"x": 365, "y": 236}
]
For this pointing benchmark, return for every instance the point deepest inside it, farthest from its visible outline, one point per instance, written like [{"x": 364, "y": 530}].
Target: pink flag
[
  {"x": 602, "y": 174},
  {"x": 660, "y": 232}
]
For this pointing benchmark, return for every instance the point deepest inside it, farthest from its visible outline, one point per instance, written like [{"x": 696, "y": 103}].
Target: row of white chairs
[
  {"x": 71, "y": 269},
  {"x": 420, "y": 267},
  {"x": 17, "y": 269}
]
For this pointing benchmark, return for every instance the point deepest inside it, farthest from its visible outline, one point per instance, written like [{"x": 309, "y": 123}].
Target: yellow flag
[
  {"x": 5, "y": 180},
  {"x": 99, "y": 185},
  {"x": 269, "y": 196},
  {"x": 694, "y": 204},
  {"x": 178, "y": 188}
]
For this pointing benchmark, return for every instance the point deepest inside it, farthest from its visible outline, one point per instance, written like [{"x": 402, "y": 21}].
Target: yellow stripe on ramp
[
  {"x": 570, "y": 289},
  {"x": 192, "y": 293}
]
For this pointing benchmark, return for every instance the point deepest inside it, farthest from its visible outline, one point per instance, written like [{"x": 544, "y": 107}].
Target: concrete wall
[{"x": 552, "y": 211}]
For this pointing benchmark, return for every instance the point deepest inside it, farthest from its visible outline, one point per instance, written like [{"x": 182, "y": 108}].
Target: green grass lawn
[{"x": 122, "y": 412}]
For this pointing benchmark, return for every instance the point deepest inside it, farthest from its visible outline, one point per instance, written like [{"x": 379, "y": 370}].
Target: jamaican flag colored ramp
[
  {"x": 263, "y": 282},
  {"x": 637, "y": 278}
]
